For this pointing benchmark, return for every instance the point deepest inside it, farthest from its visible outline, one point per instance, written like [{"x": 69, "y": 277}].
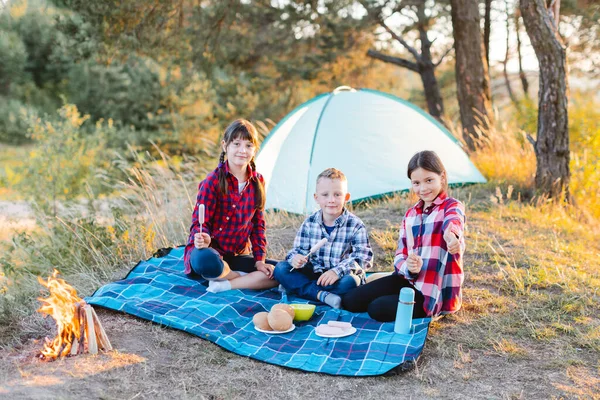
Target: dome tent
[{"x": 369, "y": 135}]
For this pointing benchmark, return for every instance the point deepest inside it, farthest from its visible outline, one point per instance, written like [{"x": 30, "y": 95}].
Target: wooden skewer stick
[
  {"x": 314, "y": 249},
  {"x": 90, "y": 331}
]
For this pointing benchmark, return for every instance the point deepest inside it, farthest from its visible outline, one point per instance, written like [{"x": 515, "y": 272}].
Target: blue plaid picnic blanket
[{"x": 157, "y": 290}]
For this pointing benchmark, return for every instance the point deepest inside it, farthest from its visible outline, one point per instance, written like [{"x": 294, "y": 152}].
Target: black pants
[
  {"x": 380, "y": 298},
  {"x": 207, "y": 262}
]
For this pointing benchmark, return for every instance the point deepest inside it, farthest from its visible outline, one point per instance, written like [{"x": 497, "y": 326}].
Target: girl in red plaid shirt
[
  {"x": 430, "y": 251},
  {"x": 229, "y": 247}
]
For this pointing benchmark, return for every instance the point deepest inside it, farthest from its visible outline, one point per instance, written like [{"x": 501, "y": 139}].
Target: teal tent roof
[{"x": 368, "y": 135}]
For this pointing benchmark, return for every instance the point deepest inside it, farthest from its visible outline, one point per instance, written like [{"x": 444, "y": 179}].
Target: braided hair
[{"x": 241, "y": 129}]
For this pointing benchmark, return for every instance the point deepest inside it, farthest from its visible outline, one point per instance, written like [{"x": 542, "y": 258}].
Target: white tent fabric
[{"x": 369, "y": 135}]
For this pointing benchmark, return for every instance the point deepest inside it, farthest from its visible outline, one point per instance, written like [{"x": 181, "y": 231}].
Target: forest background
[{"x": 111, "y": 112}]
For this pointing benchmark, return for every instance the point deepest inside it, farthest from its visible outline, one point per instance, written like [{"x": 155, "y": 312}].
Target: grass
[{"x": 531, "y": 294}]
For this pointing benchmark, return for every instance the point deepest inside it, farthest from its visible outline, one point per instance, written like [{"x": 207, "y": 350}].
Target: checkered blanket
[{"x": 157, "y": 290}]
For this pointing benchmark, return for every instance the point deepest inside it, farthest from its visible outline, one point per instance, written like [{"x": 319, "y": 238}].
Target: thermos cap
[{"x": 407, "y": 295}]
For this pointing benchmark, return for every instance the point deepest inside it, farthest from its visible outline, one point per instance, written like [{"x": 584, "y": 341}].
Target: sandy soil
[
  {"x": 153, "y": 362},
  {"x": 150, "y": 361}
]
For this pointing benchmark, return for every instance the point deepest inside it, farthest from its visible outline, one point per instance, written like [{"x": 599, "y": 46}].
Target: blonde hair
[{"x": 332, "y": 173}]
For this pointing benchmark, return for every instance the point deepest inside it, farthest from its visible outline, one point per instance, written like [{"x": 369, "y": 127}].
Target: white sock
[{"x": 218, "y": 286}]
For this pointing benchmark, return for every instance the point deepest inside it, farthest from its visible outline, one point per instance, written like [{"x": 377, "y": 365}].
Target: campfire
[{"x": 79, "y": 329}]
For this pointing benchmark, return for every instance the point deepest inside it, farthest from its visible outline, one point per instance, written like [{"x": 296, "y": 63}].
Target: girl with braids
[{"x": 229, "y": 247}]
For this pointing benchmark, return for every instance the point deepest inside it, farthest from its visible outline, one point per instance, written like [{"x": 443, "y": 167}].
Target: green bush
[
  {"x": 65, "y": 159},
  {"x": 13, "y": 60},
  {"x": 14, "y": 121}
]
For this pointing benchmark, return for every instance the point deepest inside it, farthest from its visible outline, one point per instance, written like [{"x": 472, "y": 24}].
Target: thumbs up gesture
[{"x": 452, "y": 242}]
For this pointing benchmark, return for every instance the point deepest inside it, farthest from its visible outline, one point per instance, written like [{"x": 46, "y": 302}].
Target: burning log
[
  {"x": 79, "y": 328},
  {"x": 90, "y": 331}
]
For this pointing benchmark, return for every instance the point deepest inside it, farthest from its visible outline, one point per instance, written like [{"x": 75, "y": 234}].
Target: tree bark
[
  {"x": 487, "y": 29},
  {"x": 472, "y": 78},
  {"x": 435, "y": 104},
  {"x": 511, "y": 94},
  {"x": 552, "y": 144},
  {"x": 423, "y": 63},
  {"x": 522, "y": 76}
]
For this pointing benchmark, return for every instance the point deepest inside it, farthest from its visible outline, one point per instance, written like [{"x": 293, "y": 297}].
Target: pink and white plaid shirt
[{"x": 441, "y": 277}]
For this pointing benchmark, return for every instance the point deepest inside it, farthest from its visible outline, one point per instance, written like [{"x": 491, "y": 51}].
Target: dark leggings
[
  {"x": 380, "y": 298},
  {"x": 207, "y": 263}
]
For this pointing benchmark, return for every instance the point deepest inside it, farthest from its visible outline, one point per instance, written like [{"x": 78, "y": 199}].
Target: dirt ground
[{"x": 153, "y": 362}]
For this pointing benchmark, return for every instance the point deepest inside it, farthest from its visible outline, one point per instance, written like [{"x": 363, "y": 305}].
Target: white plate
[
  {"x": 276, "y": 332},
  {"x": 349, "y": 332}
]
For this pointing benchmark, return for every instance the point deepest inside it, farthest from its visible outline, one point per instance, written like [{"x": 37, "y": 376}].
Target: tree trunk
[
  {"x": 552, "y": 144},
  {"x": 487, "y": 29},
  {"x": 522, "y": 75},
  {"x": 435, "y": 104},
  {"x": 423, "y": 64},
  {"x": 511, "y": 94},
  {"x": 472, "y": 79}
]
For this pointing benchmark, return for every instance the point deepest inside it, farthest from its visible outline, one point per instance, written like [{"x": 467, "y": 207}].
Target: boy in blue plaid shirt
[{"x": 339, "y": 265}]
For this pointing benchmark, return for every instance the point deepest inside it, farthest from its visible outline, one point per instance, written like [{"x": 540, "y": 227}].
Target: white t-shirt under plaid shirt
[{"x": 347, "y": 248}]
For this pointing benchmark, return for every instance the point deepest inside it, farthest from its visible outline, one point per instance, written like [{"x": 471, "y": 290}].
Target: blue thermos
[{"x": 406, "y": 302}]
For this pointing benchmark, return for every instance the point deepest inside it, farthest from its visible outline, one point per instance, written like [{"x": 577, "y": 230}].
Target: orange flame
[{"x": 60, "y": 305}]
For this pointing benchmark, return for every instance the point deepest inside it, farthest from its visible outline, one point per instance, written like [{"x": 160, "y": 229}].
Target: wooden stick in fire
[
  {"x": 103, "y": 341},
  {"x": 90, "y": 331},
  {"x": 314, "y": 249},
  {"x": 82, "y": 324}
]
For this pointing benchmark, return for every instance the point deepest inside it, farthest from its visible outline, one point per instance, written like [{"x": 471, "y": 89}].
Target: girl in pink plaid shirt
[{"x": 430, "y": 251}]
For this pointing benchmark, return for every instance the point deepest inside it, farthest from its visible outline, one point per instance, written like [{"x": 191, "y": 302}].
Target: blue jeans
[
  {"x": 208, "y": 263},
  {"x": 303, "y": 281}
]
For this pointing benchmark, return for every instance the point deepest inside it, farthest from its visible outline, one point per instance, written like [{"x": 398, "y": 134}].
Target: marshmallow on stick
[
  {"x": 410, "y": 240},
  {"x": 314, "y": 249},
  {"x": 201, "y": 215}
]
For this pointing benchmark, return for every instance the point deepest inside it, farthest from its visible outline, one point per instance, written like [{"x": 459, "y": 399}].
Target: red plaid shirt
[
  {"x": 441, "y": 277},
  {"x": 231, "y": 220}
]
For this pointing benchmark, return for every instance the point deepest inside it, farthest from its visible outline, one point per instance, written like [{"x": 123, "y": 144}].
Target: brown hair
[
  {"x": 332, "y": 173},
  {"x": 241, "y": 129},
  {"x": 431, "y": 162}
]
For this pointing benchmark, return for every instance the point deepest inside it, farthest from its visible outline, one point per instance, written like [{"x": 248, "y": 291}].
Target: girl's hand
[
  {"x": 201, "y": 240},
  {"x": 452, "y": 242},
  {"x": 299, "y": 260},
  {"x": 265, "y": 268},
  {"x": 328, "y": 278},
  {"x": 414, "y": 263}
]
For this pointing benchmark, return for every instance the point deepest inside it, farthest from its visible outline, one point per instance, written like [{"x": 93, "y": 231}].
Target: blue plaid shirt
[{"x": 347, "y": 249}]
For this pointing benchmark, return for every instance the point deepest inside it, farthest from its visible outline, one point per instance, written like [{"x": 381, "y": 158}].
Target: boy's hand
[
  {"x": 265, "y": 268},
  {"x": 452, "y": 242},
  {"x": 299, "y": 260},
  {"x": 414, "y": 263},
  {"x": 328, "y": 278},
  {"x": 201, "y": 240}
]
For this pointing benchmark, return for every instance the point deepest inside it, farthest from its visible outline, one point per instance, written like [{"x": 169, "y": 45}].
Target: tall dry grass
[{"x": 99, "y": 242}]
